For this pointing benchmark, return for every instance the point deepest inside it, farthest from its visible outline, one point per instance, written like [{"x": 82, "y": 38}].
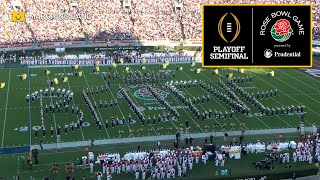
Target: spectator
[{"x": 116, "y": 20}]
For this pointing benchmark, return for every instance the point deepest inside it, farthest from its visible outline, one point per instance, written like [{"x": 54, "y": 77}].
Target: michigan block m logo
[{"x": 18, "y": 16}]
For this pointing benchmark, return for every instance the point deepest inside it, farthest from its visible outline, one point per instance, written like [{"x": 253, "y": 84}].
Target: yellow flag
[
  {"x": 143, "y": 67},
  {"x": 230, "y": 75},
  {"x": 2, "y": 85},
  {"x": 144, "y": 60},
  {"x": 121, "y": 60},
  {"x": 127, "y": 68},
  {"x": 23, "y": 76},
  {"x": 164, "y": 66},
  {"x": 47, "y": 71},
  {"x": 114, "y": 65},
  {"x": 193, "y": 64},
  {"x": 97, "y": 69},
  {"x": 56, "y": 81},
  {"x": 241, "y": 70},
  {"x": 216, "y": 71},
  {"x": 180, "y": 68},
  {"x": 272, "y": 73},
  {"x": 76, "y": 66},
  {"x": 80, "y": 74},
  {"x": 65, "y": 79},
  {"x": 198, "y": 70}
]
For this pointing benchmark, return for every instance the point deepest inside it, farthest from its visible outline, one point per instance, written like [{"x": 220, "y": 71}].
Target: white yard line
[
  {"x": 186, "y": 112},
  {"x": 273, "y": 99},
  {"x": 54, "y": 117},
  {"x": 191, "y": 95},
  {"x": 18, "y": 169},
  {"x": 115, "y": 100},
  {"x": 6, "y": 109},
  {"x": 278, "y": 103},
  {"x": 237, "y": 119},
  {"x": 29, "y": 109},
  {"x": 201, "y": 104},
  {"x": 74, "y": 103},
  {"x": 138, "y": 105},
  {"x": 215, "y": 98},
  {"x": 282, "y": 93},
  {"x": 295, "y": 88},
  {"x": 309, "y": 76},
  {"x": 102, "y": 123},
  {"x": 315, "y": 89}
]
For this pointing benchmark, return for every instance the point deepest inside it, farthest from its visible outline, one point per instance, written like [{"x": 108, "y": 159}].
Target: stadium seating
[{"x": 110, "y": 19}]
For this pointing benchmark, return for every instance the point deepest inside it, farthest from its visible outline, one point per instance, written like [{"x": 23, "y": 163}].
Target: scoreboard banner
[{"x": 264, "y": 36}]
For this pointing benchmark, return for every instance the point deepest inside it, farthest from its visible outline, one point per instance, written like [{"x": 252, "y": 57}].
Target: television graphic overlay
[{"x": 263, "y": 36}]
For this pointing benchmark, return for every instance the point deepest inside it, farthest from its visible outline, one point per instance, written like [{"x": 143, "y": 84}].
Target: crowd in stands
[
  {"x": 121, "y": 20},
  {"x": 90, "y": 59}
]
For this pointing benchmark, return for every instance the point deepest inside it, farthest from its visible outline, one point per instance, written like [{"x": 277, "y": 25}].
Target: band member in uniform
[
  {"x": 129, "y": 119},
  {"x": 154, "y": 120},
  {"x": 107, "y": 124},
  {"x": 100, "y": 126},
  {"x": 36, "y": 133},
  {"x": 117, "y": 122},
  {"x": 66, "y": 109},
  {"x": 232, "y": 126},
  {"x": 43, "y": 131},
  {"x": 58, "y": 130},
  {"x": 72, "y": 127},
  {"x": 66, "y": 129},
  {"x": 112, "y": 122},
  {"x": 51, "y": 131}
]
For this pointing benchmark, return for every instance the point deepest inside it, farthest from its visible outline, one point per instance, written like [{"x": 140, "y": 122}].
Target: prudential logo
[
  {"x": 281, "y": 31},
  {"x": 268, "y": 53}
]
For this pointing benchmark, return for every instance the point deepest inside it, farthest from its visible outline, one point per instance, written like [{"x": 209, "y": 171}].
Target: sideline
[{"x": 168, "y": 137}]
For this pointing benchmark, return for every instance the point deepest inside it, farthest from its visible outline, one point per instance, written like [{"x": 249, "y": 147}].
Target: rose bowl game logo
[
  {"x": 281, "y": 31},
  {"x": 145, "y": 94}
]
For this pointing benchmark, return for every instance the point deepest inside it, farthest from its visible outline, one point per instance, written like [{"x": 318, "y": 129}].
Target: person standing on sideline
[{"x": 41, "y": 147}]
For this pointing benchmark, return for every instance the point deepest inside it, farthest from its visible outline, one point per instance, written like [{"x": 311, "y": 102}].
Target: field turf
[
  {"x": 16, "y": 117},
  {"x": 293, "y": 86}
]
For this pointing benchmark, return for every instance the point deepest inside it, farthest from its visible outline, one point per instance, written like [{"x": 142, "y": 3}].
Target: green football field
[{"x": 294, "y": 87}]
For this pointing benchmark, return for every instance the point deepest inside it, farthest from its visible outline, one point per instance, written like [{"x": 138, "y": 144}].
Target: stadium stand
[{"x": 120, "y": 20}]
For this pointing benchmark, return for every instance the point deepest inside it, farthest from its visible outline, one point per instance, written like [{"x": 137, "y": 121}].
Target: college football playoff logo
[
  {"x": 229, "y": 27},
  {"x": 281, "y": 31}
]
